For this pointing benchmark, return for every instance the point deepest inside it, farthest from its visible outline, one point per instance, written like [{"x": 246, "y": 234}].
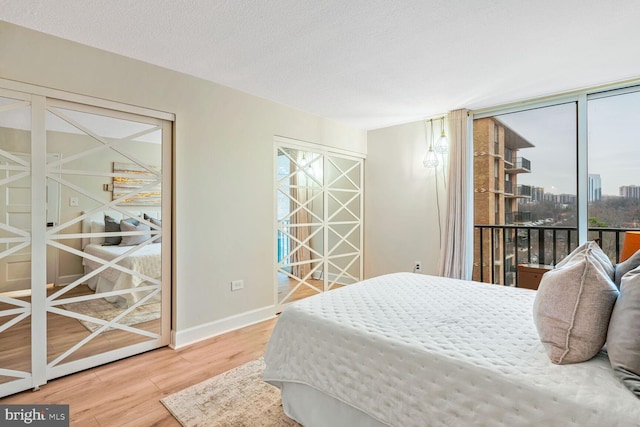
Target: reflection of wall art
[{"x": 135, "y": 177}]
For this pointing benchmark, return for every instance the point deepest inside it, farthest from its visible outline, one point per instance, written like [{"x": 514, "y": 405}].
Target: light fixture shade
[
  {"x": 631, "y": 244},
  {"x": 442, "y": 146},
  {"x": 430, "y": 160}
]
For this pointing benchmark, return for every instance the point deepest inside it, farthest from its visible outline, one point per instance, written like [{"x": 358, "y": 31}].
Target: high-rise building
[
  {"x": 594, "y": 188},
  {"x": 562, "y": 199},
  {"x": 630, "y": 191},
  {"x": 537, "y": 194},
  {"x": 497, "y": 164}
]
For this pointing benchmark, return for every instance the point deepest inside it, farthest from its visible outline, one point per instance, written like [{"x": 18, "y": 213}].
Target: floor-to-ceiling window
[
  {"x": 613, "y": 187},
  {"x": 551, "y": 174},
  {"x": 524, "y": 189}
]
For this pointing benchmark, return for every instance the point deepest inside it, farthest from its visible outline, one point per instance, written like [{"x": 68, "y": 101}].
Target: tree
[{"x": 595, "y": 222}]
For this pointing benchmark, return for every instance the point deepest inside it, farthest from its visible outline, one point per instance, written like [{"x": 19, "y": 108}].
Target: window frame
[{"x": 580, "y": 99}]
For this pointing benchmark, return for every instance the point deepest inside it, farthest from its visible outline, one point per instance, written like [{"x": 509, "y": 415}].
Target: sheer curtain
[
  {"x": 300, "y": 230},
  {"x": 454, "y": 253}
]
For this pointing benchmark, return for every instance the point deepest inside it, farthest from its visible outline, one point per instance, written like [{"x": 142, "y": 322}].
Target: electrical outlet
[
  {"x": 73, "y": 201},
  {"x": 417, "y": 267},
  {"x": 236, "y": 285}
]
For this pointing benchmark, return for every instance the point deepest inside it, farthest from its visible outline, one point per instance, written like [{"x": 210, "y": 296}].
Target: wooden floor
[
  {"x": 63, "y": 333},
  {"x": 286, "y": 285},
  {"x": 128, "y": 392}
]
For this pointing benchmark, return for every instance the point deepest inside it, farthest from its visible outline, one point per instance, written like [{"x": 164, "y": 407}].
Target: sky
[{"x": 613, "y": 143}]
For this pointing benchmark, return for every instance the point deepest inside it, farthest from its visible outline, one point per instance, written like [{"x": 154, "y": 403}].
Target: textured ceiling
[{"x": 368, "y": 63}]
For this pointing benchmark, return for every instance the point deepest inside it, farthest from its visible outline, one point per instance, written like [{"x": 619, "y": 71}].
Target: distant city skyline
[{"x": 614, "y": 144}]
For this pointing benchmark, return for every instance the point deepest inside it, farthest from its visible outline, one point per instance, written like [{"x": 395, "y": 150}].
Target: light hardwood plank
[{"x": 128, "y": 392}]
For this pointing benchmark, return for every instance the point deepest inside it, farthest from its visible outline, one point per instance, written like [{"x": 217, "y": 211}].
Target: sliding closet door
[
  {"x": 110, "y": 299},
  {"x": 71, "y": 296},
  {"x": 15, "y": 242},
  {"x": 343, "y": 220},
  {"x": 300, "y": 201},
  {"x": 319, "y": 220}
]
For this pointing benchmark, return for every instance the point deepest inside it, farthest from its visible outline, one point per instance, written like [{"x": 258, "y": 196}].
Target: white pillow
[{"x": 97, "y": 227}]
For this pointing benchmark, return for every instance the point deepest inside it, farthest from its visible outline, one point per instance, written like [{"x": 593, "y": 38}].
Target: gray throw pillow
[
  {"x": 573, "y": 305},
  {"x": 623, "y": 340},
  {"x": 136, "y": 239},
  {"x": 625, "y": 266},
  {"x": 599, "y": 255},
  {"x": 157, "y": 222},
  {"x": 112, "y": 225}
]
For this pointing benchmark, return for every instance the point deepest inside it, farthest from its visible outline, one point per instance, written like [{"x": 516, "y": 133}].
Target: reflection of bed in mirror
[{"x": 145, "y": 260}]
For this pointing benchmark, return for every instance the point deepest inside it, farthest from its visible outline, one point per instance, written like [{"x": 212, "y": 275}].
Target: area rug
[
  {"x": 236, "y": 398},
  {"x": 104, "y": 310}
]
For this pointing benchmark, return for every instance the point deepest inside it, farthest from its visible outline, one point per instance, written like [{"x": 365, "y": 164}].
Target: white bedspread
[
  {"x": 146, "y": 260},
  {"x": 416, "y": 350}
]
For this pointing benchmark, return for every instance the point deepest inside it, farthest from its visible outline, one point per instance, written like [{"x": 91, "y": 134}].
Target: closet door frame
[{"x": 327, "y": 153}]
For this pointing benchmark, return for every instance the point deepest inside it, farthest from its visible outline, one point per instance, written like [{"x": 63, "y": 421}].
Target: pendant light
[
  {"x": 430, "y": 159},
  {"x": 442, "y": 146}
]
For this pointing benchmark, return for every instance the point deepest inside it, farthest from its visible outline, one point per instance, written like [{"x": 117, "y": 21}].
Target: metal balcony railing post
[
  {"x": 504, "y": 256},
  {"x": 481, "y": 254},
  {"x": 541, "y": 246},
  {"x": 600, "y": 241},
  {"x": 492, "y": 255},
  {"x": 553, "y": 256}
]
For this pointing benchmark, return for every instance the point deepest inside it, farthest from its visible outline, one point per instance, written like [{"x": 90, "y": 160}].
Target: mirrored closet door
[
  {"x": 319, "y": 220},
  {"x": 85, "y": 238}
]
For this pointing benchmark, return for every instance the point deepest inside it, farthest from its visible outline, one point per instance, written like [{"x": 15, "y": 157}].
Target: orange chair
[{"x": 630, "y": 245}]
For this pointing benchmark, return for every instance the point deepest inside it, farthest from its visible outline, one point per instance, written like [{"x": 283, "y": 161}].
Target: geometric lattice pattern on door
[
  {"x": 319, "y": 199},
  {"x": 344, "y": 203},
  {"x": 81, "y": 274},
  {"x": 300, "y": 223},
  {"x": 134, "y": 285},
  {"x": 15, "y": 243}
]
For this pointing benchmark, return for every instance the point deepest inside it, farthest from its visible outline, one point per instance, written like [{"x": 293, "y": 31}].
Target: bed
[
  {"x": 414, "y": 350},
  {"x": 146, "y": 261}
]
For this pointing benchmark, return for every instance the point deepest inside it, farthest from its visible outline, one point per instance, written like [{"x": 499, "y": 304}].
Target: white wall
[
  {"x": 223, "y": 161},
  {"x": 400, "y": 202}
]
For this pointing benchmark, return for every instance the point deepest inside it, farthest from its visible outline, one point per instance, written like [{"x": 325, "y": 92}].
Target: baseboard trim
[
  {"x": 198, "y": 333},
  {"x": 65, "y": 280}
]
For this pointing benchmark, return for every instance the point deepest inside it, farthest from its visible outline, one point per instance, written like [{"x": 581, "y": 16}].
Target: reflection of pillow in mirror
[
  {"x": 97, "y": 227},
  {"x": 157, "y": 222},
  {"x": 111, "y": 225},
  {"x": 133, "y": 240}
]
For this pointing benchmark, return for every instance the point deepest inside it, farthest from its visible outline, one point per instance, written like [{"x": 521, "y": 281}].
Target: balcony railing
[
  {"x": 522, "y": 191},
  {"x": 508, "y": 188},
  {"x": 505, "y": 246},
  {"x": 521, "y": 165}
]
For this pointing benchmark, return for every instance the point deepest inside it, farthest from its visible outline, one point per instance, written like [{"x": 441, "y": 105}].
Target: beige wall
[
  {"x": 224, "y": 202},
  {"x": 400, "y": 202}
]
